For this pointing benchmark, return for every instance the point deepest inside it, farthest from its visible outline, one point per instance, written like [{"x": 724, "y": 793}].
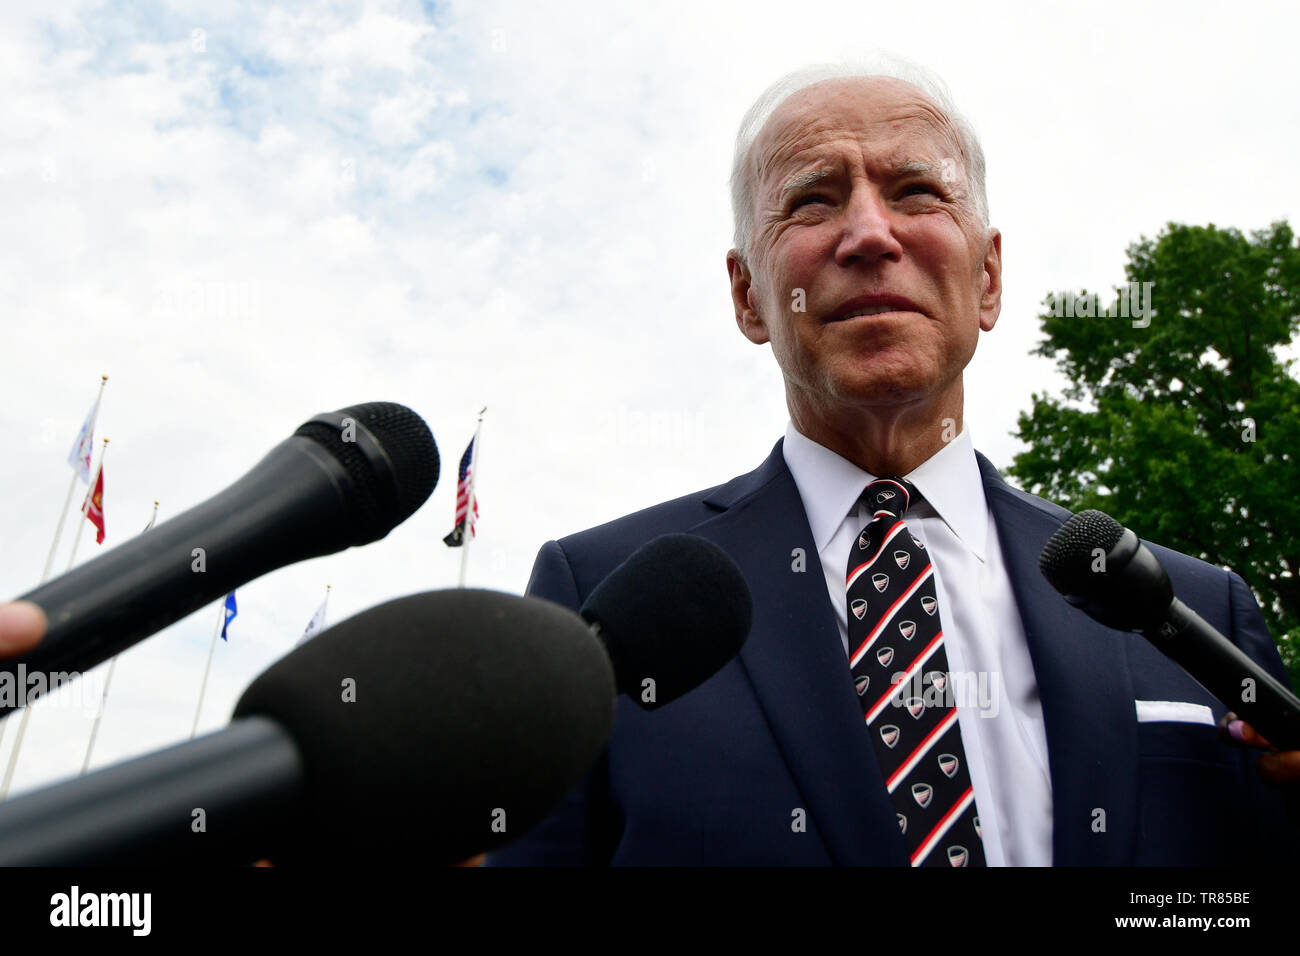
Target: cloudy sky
[{"x": 248, "y": 213}]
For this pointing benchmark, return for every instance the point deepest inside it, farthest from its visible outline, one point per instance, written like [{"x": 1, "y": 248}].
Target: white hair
[{"x": 744, "y": 167}]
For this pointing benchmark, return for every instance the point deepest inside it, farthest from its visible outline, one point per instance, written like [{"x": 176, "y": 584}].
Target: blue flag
[{"x": 231, "y": 611}]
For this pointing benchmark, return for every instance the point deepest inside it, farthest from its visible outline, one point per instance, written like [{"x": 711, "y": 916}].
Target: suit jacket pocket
[
  {"x": 1188, "y": 796},
  {"x": 1178, "y": 741}
]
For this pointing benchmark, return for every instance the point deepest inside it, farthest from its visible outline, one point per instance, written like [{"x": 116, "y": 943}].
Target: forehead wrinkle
[
  {"x": 789, "y": 149},
  {"x": 922, "y": 110},
  {"x": 790, "y": 130},
  {"x": 811, "y": 129}
]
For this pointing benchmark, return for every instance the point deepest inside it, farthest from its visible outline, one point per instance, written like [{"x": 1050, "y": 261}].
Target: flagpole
[
  {"x": 112, "y": 665},
  {"x": 204, "y": 686},
  {"x": 94, "y": 729},
  {"x": 13, "y": 755},
  {"x": 27, "y": 710},
  {"x": 58, "y": 531},
  {"x": 470, "y": 502}
]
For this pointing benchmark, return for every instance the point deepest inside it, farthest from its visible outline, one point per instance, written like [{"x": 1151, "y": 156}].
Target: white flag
[
  {"x": 79, "y": 457},
  {"x": 315, "y": 625}
]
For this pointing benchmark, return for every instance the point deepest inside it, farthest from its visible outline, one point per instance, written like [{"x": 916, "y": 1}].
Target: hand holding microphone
[
  {"x": 1278, "y": 767},
  {"x": 1130, "y": 590}
]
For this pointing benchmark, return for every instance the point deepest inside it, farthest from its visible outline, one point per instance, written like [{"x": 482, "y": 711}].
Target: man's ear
[
  {"x": 748, "y": 320},
  {"x": 991, "y": 300}
]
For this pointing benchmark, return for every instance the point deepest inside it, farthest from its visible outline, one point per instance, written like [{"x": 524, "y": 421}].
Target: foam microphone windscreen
[
  {"x": 674, "y": 613},
  {"x": 437, "y": 726}
]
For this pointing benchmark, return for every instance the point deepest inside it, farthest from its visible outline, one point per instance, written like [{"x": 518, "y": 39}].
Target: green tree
[{"x": 1184, "y": 422}]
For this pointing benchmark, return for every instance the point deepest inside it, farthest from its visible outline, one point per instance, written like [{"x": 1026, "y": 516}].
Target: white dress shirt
[{"x": 998, "y": 709}]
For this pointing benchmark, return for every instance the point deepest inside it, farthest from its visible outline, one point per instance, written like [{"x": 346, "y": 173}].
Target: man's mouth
[{"x": 872, "y": 305}]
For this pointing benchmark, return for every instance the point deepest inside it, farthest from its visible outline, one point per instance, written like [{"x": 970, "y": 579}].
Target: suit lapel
[
  {"x": 796, "y": 663},
  {"x": 1085, "y": 691}
]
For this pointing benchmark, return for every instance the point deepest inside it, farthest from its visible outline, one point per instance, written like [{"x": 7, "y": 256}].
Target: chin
[{"x": 879, "y": 386}]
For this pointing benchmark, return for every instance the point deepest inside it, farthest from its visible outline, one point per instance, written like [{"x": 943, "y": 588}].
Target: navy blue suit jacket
[{"x": 720, "y": 776}]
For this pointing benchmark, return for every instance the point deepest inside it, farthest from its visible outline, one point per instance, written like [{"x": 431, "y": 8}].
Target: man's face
[{"x": 862, "y": 205}]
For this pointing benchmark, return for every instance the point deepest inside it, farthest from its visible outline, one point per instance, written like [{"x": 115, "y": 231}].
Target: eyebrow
[
  {"x": 803, "y": 180},
  {"x": 914, "y": 166},
  {"x": 812, "y": 177}
]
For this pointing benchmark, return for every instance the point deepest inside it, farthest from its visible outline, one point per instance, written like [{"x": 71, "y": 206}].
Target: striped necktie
[{"x": 900, "y": 670}]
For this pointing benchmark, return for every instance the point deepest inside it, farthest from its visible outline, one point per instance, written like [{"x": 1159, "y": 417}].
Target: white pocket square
[{"x": 1177, "y": 711}]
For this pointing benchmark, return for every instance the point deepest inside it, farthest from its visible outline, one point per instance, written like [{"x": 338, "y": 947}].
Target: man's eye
[
  {"x": 810, "y": 199},
  {"x": 918, "y": 189}
]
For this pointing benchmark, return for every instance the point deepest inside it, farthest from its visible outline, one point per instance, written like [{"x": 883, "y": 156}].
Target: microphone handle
[
  {"x": 291, "y": 506},
  {"x": 244, "y": 778},
  {"x": 1222, "y": 668}
]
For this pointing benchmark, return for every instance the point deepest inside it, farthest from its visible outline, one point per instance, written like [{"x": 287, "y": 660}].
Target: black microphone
[
  {"x": 670, "y": 617},
  {"x": 1104, "y": 570},
  {"x": 344, "y": 478},
  {"x": 425, "y": 730}
]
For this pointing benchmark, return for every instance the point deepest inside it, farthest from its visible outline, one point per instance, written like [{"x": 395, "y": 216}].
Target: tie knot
[{"x": 889, "y": 494}]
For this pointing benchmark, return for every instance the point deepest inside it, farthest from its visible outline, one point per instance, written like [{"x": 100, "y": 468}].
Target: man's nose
[{"x": 867, "y": 229}]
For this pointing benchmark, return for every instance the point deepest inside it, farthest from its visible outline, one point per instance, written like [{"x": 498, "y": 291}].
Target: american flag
[{"x": 457, "y": 536}]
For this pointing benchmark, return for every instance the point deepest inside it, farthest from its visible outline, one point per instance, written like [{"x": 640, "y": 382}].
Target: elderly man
[{"x": 913, "y": 691}]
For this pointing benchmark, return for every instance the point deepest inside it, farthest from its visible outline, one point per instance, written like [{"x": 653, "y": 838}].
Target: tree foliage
[{"x": 1187, "y": 430}]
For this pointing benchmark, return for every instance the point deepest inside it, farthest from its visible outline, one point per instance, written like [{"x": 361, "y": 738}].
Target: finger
[
  {"x": 1236, "y": 732},
  {"x": 1252, "y": 736},
  {"x": 22, "y": 625},
  {"x": 1279, "y": 768}
]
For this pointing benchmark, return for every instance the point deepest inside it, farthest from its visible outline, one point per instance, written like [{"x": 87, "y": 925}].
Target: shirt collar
[{"x": 830, "y": 487}]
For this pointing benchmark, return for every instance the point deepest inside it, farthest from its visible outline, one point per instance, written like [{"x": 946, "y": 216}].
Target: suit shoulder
[
  {"x": 593, "y": 553},
  {"x": 567, "y": 569}
]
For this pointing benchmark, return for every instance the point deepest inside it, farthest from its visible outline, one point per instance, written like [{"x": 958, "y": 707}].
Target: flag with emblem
[
  {"x": 95, "y": 507},
  {"x": 79, "y": 456}
]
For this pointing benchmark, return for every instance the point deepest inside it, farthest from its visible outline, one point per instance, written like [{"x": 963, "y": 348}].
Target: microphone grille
[
  {"x": 401, "y": 435},
  {"x": 409, "y": 443},
  {"x": 1066, "y": 560}
]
